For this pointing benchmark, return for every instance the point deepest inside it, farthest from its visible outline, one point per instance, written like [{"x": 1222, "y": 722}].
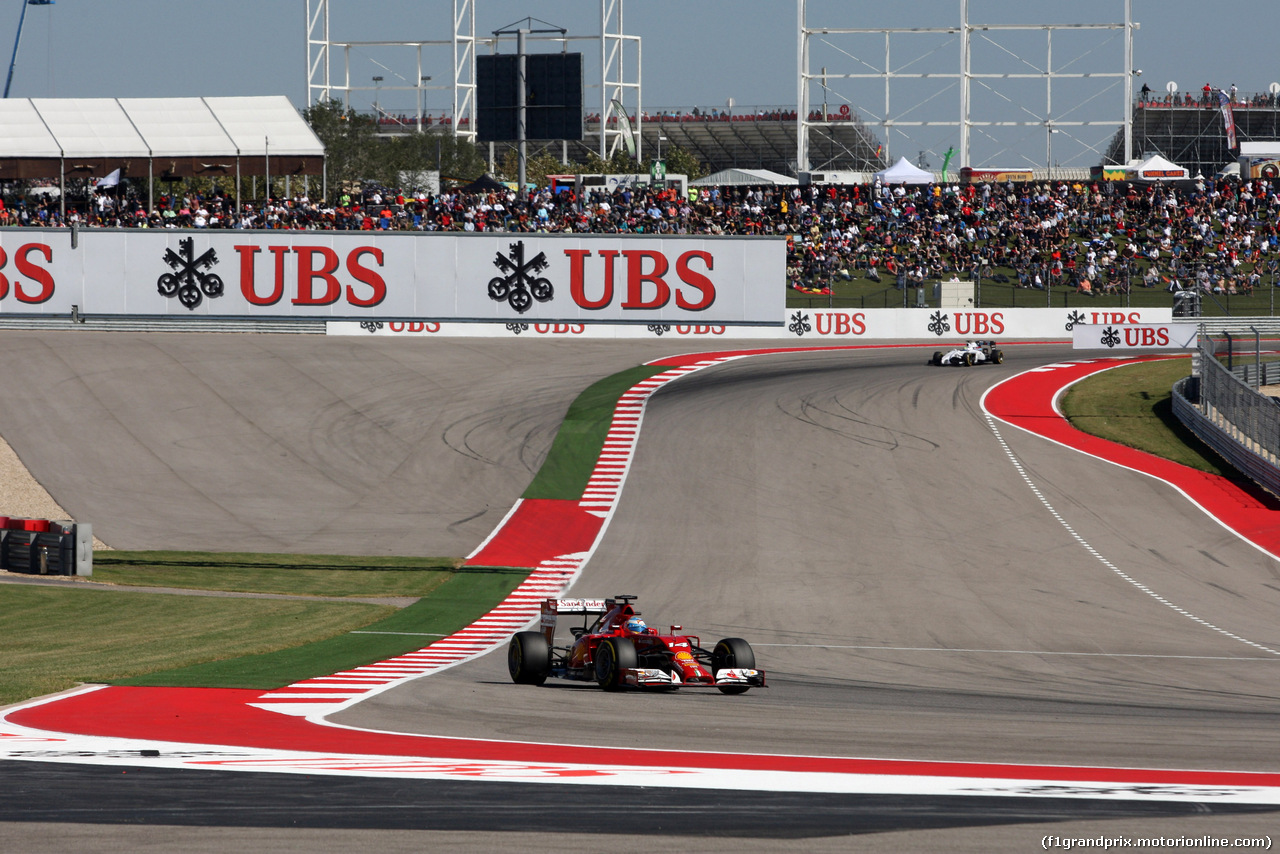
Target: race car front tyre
[
  {"x": 937, "y": 358},
  {"x": 969, "y": 360},
  {"x": 529, "y": 658},
  {"x": 735, "y": 653},
  {"x": 613, "y": 656}
]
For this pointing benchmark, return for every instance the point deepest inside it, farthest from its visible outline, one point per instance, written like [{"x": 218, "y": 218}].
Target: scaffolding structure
[
  {"x": 1194, "y": 135},
  {"x": 619, "y": 57},
  {"x": 322, "y": 85},
  {"x": 890, "y": 118},
  {"x": 815, "y": 134}
]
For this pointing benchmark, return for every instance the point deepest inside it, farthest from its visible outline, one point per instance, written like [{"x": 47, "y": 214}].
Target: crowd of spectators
[
  {"x": 1096, "y": 237},
  {"x": 1208, "y": 98}
]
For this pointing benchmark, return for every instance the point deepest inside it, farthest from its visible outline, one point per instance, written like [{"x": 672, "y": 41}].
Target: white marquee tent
[
  {"x": 744, "y": 177},
  {"x": 1157, "y": 168},
  {"x": 168, "y": 138},
  {"x": 903, "y": 172}
]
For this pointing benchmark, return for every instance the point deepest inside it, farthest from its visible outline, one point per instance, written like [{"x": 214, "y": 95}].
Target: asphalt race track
[{"x": 852, "y": 513}]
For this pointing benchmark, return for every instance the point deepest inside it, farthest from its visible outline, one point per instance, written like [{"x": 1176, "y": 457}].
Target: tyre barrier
[{"x": 45, "y": 547}]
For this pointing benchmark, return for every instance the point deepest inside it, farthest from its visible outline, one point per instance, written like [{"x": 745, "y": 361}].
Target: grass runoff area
[
  {"x": 859, "y": 292},
  {"x": 56, "y": 637},
  {"x": 1133, "y": 405}
]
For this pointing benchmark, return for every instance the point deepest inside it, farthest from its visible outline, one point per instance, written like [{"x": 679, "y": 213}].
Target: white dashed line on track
[
  {"x": 1019, "y": 652},
  {"x": 1022, "y": 472}
]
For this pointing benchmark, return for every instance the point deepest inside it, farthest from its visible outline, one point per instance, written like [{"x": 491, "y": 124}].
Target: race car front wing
[{"x": 644, "y": 677}]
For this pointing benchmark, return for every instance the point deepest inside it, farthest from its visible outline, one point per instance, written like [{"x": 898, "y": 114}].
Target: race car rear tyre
[
  {"x": 529, "y": 658},
  {"x": 736, "y": 653},
  {"x": 613, "y": 656},
  {"x": 997, "y": 357}
]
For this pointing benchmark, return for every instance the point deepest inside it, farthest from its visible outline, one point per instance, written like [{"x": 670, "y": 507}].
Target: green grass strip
[
  {"x": 464, "y": 598},
  {"x": 577, "y": 445},
  {"x": 1133, "y": 405},
  {"x": 306, "y": 575},
  {"x": 57, "y": 637},
  {"x": 861, "y": 292}
]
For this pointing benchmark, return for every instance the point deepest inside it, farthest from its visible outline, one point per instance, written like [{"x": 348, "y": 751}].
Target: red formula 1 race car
[{"x": 615, "y": 648}]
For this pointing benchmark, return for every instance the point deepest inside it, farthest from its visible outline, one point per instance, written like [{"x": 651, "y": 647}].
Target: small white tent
[
  {"x": 741, "y": 177},
  {"x": 903, "y": 172},
  {"x": 1156, "y": 168}
]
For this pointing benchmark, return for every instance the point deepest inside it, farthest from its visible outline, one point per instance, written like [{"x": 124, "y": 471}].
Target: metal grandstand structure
[
  {"x": 619, "y": 67},
  {"x": 758, "y": 138},
  {"x": 968, "y": 35},
  {"x": 1192, "y": 133},
  {"x": 855, "y": 133}
]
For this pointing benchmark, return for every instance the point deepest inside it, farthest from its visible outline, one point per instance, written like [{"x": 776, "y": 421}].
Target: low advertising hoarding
[{"x": 485, "y": 278}]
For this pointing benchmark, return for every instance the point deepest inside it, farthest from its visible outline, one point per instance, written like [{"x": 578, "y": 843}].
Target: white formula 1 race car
[{"x": 972, "y": 353}]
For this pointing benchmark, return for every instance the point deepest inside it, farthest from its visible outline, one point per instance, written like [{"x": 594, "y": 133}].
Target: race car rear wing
[{"x": 552, "y": 608}]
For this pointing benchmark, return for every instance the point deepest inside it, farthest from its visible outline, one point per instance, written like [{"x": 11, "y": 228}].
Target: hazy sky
[{"x": 695, "y": 53}]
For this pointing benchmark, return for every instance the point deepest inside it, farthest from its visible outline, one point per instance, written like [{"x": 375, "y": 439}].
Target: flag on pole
[
  {"x": 112, "y": 180},
  {"x": 1228, "y": 118},
  {"x": 879, "y": 149},
  {"x": 624, "y": 126}
]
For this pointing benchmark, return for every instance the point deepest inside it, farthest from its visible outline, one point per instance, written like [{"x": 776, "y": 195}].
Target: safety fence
[{"x": 1225, "y": 409}]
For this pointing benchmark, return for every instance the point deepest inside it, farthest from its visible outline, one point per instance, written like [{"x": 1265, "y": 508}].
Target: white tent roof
[
  {"x": 903, "y": 172},
  {"x": 154, "y": 127},
  {"x": 24, "y": 134},
  {"x": 740, "y": 177},
  {"x": 266, "y": 125},
  {"x": 89, "y": 127},
  {"x": 1157, "y": 168},
  {"x": 180, "y": 126}
]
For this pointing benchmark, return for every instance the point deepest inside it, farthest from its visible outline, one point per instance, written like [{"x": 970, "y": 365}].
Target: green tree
[
  {"x": 618, "y": 163},
  {"x": 537, "y": 168},
  {"x": 350, "y": 144},
  {"x": 455, "y": 159},
  {"x": 681, "y": 161}
]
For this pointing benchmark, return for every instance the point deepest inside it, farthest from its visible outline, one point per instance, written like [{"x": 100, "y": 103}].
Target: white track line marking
[
  {"x": 1021, "y": 652},
  {"x": 1017, "y": 464}
]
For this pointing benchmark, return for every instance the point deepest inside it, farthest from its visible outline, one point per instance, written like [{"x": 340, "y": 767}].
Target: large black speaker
[{"x": 553, "y": 96}]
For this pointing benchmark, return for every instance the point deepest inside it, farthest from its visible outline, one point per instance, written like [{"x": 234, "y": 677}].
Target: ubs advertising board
[
  {"x": 388, "y": 275},
  {"x": 823, "y": 325}
]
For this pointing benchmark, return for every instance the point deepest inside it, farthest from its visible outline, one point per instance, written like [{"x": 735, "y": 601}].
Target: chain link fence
[{"x": 1224, "y": 405}]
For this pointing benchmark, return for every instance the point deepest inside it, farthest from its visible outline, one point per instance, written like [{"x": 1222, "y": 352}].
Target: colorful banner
[{"x": 1228, "y": 118}]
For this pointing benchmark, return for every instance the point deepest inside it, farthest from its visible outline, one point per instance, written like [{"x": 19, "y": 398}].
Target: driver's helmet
[{"x": 637, "y": 625}]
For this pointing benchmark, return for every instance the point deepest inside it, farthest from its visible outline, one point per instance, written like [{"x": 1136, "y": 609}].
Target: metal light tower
[{"x": 17, "y": 41}]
